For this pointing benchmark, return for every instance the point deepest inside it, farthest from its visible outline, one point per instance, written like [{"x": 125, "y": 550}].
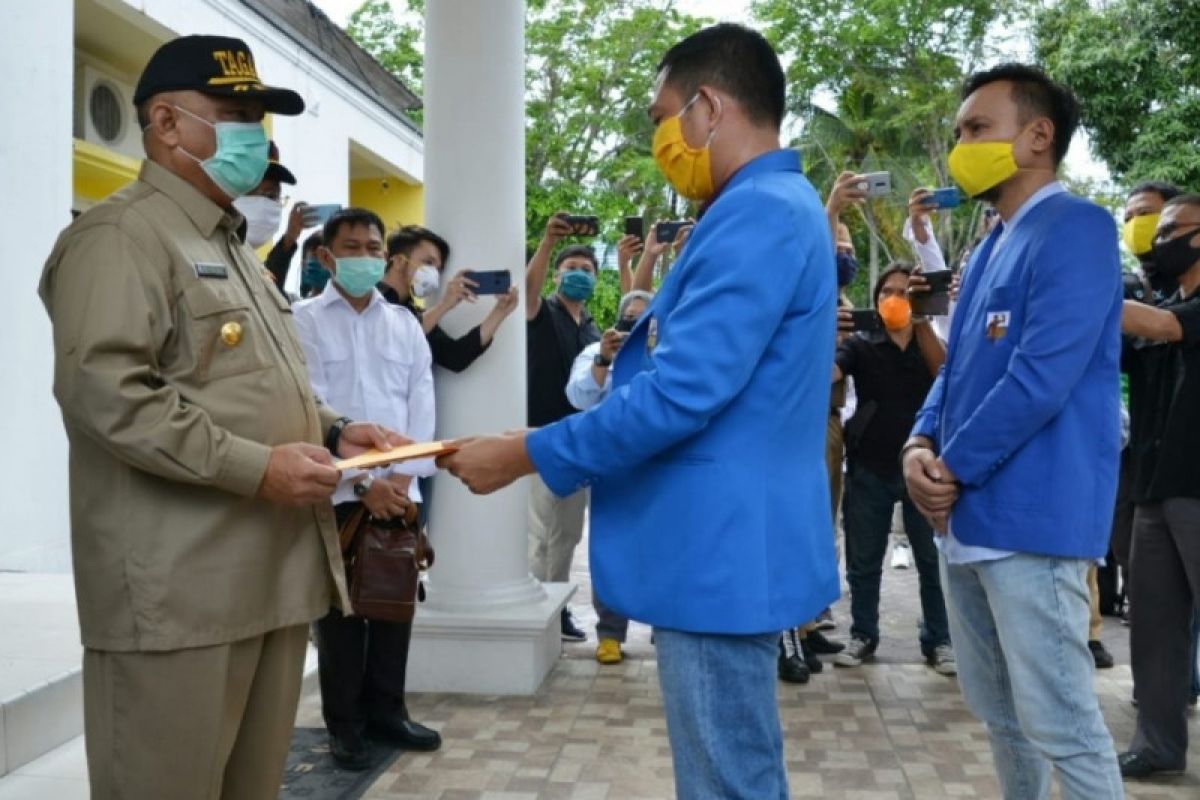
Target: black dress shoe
[
  {"x": 1139, "y": 765},
  {"x": 1100, "y": 654},
  {"x": 404, "y": 733},
  {"x": 792, "y": 669},
  {"x": 350, "y": 751},
  {"x": 817, "y": 642}
]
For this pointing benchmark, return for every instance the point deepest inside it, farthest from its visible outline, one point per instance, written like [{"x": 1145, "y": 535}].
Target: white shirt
[
  {"x": 955, "y": 551},
  {"x": 582, "y": 390},
  {"x": 930, "y": 259},
  {"x": 373, "y": 366}
]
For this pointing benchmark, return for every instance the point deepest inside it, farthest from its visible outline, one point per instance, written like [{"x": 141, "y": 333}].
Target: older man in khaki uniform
[{"x": 202, "y": 531}]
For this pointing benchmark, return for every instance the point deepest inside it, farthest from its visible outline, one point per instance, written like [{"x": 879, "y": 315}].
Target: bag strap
[{"x": 350, "y": 528}]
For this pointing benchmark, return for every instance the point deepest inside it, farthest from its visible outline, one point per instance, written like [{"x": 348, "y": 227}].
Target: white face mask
[
  {"x": 262, "y": 218},
  {"x": 425, "y": 281}
]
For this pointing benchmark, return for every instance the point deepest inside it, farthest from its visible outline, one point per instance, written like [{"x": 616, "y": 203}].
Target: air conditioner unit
[{"x": 104, "y": 112}]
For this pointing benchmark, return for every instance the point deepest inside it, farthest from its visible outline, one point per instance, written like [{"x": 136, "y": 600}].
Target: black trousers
[
  {"x": 361, "y": 664},
  {"x": 1164, "y": 597}
]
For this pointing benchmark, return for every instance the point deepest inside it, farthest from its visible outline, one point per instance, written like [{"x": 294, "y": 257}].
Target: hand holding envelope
[{"x": 375, "y": 457}]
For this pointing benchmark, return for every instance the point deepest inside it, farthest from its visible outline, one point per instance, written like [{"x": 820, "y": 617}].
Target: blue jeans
[
  {"x": 867, "y": 518},
  {"x": 1020, "y": 636},
  {"x": 722, "y": 715}
]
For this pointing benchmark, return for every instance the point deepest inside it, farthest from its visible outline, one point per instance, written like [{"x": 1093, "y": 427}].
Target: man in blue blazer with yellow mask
[{"x": 710, "y": 507}]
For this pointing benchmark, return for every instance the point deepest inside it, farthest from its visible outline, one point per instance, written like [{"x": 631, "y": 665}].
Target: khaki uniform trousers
[
  {"x": 207, "y": 723},
  {"x": 555, "y": 528}
]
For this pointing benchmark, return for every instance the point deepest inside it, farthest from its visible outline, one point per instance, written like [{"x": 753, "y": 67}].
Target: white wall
[{"x": 35, "y": 173}]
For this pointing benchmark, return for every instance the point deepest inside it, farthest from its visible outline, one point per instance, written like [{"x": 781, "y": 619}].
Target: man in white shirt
[{"x": 373, "y": 358}]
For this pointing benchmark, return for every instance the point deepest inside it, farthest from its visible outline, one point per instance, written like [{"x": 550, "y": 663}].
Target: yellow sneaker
[{"x": 609, "y": 652}]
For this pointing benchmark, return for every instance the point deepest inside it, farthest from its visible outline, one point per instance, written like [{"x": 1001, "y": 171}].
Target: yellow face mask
[
  {"x": 1138, "y": 233},
  {"x": 979, "y": 166},
  {"x": 687, "y": 168}
]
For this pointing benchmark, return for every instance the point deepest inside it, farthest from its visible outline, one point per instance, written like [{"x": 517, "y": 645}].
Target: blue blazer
[
  {"x": 1025, "y": 410},
  {"x": 710, "y": 499}
]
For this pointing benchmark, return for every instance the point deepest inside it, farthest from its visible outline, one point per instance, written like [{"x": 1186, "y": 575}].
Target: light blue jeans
[
  {"x": 722, "y": 715},
  {"x": 1019, "y": 626}
]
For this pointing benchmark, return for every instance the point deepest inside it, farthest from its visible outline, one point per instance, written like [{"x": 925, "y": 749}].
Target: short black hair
[
  {"x": 1183, "y": 200},
  {"x": 1167, "y": 191},
  {"x": 574, "y": 250},
  {"x": 314, "y": 240},
  {"x": 350, "y": 217},
  {"x": 405, "y": 239},
  {"x": 895, "y": 268},
  {"x": 143, "y": 114},
  {"x": 734, "y": 59},
  {"x": 1036, "y": 95}
]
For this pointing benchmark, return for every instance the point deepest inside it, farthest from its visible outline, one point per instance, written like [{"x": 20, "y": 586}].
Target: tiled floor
[
  {"x": 891, "y": 729},
  {"x": 888, "y": 730}
]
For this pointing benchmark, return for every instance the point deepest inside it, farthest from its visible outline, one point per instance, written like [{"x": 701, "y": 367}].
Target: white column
[
  {"x": 484, "y": 607},
  {"x": 35, "y": 171}
]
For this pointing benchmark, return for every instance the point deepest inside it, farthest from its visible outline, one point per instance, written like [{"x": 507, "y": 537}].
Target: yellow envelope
[{"x": 406, "y": 452}]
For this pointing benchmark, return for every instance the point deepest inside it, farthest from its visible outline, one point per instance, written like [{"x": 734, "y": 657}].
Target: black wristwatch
[
  {"x": 601, "y": 360},
  {"x": 335, "y": 434}
]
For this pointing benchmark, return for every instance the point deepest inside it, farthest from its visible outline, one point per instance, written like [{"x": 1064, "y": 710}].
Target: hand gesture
[
  {"x": 298, "y": 474},
  {"x": 358, "y": 437},
  {"x": 488, "y": 463},
  {"x": 505, "y": 303},
  {"x": 845, "y": 322},
  {"x": 681, "y": 236},
  {"x": 627, "y": 247},
  {"x": 931, "y": 485},
  {"x": 296, "y": 223},
  {"x": 850, "y": 188},
  {"x": 459, "y": 288},
  {"x": 655, "y": 248},
  {"x": 557, "y": 227},
  {"x": 920, "y": 204},
  {"x": 386, "y": 499},
  {"x": 610, "y": 343}
]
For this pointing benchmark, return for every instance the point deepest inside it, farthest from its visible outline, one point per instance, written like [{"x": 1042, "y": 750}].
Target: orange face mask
[{"x": 896, "y": 313}]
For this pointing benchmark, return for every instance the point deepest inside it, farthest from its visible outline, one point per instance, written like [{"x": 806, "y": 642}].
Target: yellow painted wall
[
  {"x": 98, "y": 172},
  {"x": 399, "y": 204}
]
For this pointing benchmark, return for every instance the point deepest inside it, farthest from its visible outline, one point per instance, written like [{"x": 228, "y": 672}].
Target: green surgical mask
[
  {"x": 240, "y": 160},
  {"x": 359, "y": 274}
]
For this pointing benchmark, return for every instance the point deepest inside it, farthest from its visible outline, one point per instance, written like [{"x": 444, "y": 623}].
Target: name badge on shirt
[
  {"x": 651, "y": 334},
  {"x": 210, "y": 270},
  {"x": 997, "y": 324}
]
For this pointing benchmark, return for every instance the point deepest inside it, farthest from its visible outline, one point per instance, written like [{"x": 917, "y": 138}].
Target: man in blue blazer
[
  {"x": 1014, "y": 455},
  {"x": 710, "y": 506}
]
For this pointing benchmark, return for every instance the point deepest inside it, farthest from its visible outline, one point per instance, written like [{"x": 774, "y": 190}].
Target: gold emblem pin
[{"x": 231, "y": 334}]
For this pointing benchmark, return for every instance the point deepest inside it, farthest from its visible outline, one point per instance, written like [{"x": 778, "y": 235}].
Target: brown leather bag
[{"x": 385, "y": 559}]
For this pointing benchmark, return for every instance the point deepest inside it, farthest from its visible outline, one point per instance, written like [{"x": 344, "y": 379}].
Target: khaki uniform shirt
[{"x": 177, "y": 368}]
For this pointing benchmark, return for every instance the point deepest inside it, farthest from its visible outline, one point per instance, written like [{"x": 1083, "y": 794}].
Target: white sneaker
[
  {"x": 942, "y": 660},
  {"x": 901, "y": 555}
]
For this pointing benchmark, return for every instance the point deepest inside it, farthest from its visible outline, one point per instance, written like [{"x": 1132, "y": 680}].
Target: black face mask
[{"x": 1176, "y": 256}]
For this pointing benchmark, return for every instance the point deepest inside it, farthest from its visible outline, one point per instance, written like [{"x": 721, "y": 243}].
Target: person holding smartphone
[{"x": 416, "y": 260}]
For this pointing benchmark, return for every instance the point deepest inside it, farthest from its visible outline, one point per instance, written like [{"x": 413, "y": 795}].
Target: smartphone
[
  {"x": 634, "y": 227},
  {"x": 946, "y": 197},
  {"x": 878, "y": 184},
  {"x": 320, "y": 214},
  {"x": 624, "y": 325},
  {"x": 584, "y": 224},
  {"x": 497, "y": 281},
  {"x": 667, "y": 231},
  {"x": 935, "y": 302},
  {"x": 866, "y": 319}
]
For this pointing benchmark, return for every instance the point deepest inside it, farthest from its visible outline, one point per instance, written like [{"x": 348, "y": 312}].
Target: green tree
[
  {"x": 876, "y": 85},
  {"x": 590, "y": 69},
  {"x": 1136, "y": 65}
]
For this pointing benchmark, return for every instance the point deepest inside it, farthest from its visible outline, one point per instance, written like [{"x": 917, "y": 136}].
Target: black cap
[
  {"x": 216, "y": 65},
  {"x": 275, "y": 170}
]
